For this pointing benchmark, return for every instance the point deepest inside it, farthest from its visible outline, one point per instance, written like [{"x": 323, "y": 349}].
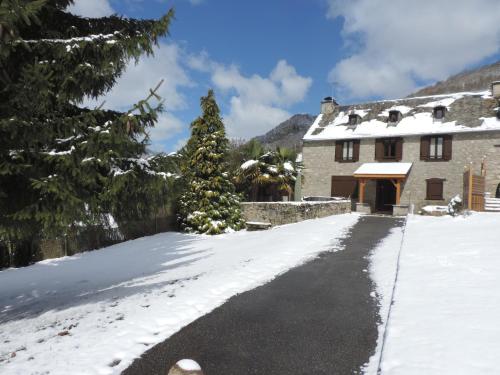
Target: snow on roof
[
  {"x": 467, "y": 112},
  {"x": 383, "y": 168}
]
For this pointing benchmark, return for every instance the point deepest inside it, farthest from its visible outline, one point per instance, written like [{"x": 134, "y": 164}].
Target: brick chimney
[
  {"x": 328, "y": 105},
  {"x": 495, "y": 89}
]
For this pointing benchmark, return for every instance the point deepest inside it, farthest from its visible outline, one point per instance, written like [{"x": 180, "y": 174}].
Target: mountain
[
  {"x": 288, "y": 134},
  {"x": 470, "y": 80}
]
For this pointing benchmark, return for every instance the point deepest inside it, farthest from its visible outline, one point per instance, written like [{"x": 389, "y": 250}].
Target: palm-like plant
[{"x": 273, "y": 170}]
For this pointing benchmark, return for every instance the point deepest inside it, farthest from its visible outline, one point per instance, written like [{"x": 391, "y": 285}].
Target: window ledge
[{"x": 436, "y": 160}]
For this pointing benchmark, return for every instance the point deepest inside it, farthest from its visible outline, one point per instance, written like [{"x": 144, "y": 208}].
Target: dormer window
[
  {"x": 354, "y": 119},
  {"x": 439, "y": 112},
  {"x": 394, "y": 116}
]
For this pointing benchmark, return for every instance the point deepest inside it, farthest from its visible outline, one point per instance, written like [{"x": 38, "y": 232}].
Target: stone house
[{"x": 406, "y": 152}]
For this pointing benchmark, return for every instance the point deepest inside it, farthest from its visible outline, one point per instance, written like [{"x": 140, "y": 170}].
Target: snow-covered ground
[
  {"x": 445, "y": 317},
  {"x": 95, "y": 312}
]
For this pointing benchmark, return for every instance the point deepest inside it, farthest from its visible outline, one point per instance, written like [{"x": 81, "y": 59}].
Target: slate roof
[{"x": 466, "y": 112}]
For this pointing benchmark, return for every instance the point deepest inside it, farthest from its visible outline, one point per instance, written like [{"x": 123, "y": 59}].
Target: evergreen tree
[
  {"x": 60, "y": 163},
  {"x": 209, "y": 204}
]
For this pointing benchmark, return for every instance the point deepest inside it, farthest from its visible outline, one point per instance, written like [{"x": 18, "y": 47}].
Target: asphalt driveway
[{"x": 318, "y": 318}]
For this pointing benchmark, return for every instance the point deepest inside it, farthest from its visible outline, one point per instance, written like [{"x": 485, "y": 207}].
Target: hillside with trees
[{"x": 470, "y": 80}]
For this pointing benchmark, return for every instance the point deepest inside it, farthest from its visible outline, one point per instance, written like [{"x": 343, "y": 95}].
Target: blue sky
[{"x": 267, "y": 60}]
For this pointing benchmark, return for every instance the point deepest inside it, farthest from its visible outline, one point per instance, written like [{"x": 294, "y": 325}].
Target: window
[
  {"x": 439, "y": 112},
  {"x": 394, "y": 116},
  {"x": 434, "y": 189},
  {"x": 353, "y": 119},
  {"x": 436, "y": 148},
  {"x": 348, "y": 151},
  {"x": 390, "y": 148}
]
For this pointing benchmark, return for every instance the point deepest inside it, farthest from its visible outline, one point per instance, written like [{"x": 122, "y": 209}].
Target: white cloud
[
  {"x": 139, "y": 78},
  {"x": 201, "y": 62},
  {"x": 168, "y": 125},
  {"x": 91, "y": 8},
  {"x": 396, "y": 43},
  {"x": 258, "y": 103}
]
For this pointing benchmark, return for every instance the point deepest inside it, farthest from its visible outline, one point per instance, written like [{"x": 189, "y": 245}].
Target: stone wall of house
[
  {"x": 468, "y": 149},
  {"x": 279, "y": 213}
]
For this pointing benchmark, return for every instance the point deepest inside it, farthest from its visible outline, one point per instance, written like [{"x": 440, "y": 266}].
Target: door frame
[{"x": 379, "y": 205}]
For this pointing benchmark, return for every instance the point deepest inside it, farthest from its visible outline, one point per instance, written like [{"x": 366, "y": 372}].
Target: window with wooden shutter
[
  {"x": 425, "y": 145},
  {"x": 379, "y": 149},
  {"x": 389, "y": 149},
  {"x": 338, "y": 151},
  {"x": 447, "y": 147},
  {"x": 434, "y": 189},
  {"x": 399, "y": 149},
  {"x": 356, "y": 150},
  {"x": 347, "y": 151},
  {"x": 436, "y": 148}
]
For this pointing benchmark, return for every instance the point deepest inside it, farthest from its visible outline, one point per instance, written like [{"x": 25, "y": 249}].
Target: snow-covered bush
[{"x": 455, "y": 205}]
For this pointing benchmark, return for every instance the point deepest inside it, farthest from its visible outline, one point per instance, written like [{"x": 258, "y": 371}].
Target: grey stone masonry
[
  {"x": 363, "y": 208},
  {"x": 279, "y": 213},
  {"x": 468, "y": 149},
  {"x": 400, "y": 210}
]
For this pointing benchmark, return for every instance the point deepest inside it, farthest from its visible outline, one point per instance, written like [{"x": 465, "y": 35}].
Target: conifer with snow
[
  {"x": 209, "y": 204},
  {"x": 61, "y": 163}
]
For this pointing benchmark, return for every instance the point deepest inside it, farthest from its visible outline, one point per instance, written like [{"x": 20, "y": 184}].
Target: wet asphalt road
[{"x": 316, "y": 319}]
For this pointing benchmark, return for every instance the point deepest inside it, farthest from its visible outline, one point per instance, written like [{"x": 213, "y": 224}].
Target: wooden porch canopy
[{"x": 395, "y": 172}]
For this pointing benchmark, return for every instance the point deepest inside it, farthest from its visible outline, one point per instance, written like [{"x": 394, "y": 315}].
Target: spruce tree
[
  {"x": 61, "y": 163},
  {"x": 209, "y": 204}
]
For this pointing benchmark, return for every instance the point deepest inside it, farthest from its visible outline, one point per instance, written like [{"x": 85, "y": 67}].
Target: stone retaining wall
[{"x": 278, "y": 213}]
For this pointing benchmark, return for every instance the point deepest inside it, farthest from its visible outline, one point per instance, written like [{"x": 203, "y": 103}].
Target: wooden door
[
  {"x": 386, "y": 195},
  {"x": 344, "y": 186}
]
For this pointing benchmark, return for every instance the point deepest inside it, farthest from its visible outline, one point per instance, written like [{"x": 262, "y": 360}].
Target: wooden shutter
[
  {"x": 355, "y": 153},
  {"x": 447, "y": 147},
  {"x": 434, "y": 189},
  {"x": 399, "y": 149},
  {"x": 338, "y": 150},
  {"x": 425, "y": 146},
  {"x": 379, "y": 149},
  {"x": 344, "y": 186}
]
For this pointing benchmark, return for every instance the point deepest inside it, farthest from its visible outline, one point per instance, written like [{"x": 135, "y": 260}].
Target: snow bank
[
  {"x": 95, "y": 312},
  {"x": 446, "y": 308},
  {"x": 383, "y": 271},
  {"x": 248, "y": 164}
]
